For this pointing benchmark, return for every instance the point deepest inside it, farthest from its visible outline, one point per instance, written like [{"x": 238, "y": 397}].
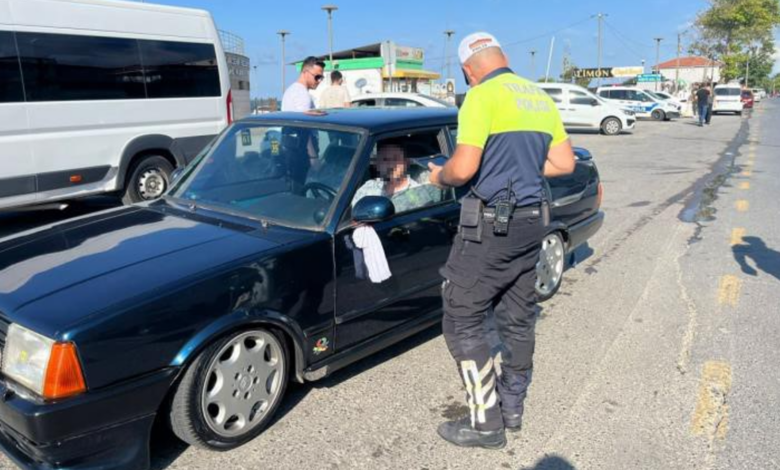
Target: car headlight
[
  {"x": 628, "y": 113},
  {"x": 49, "y": 368}
]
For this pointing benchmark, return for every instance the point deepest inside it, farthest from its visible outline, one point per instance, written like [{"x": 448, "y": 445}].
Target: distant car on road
[
  {"x": 581, "y": 109},
  {"x": 639, "y": 102},
  {"x": 747, "y": 99},
  {"x": 662, "y": 95},
  {"x": 727, "y": 99},
  {"x": 399, "y": 100},
  {"x": 196, "y": 310},
  {"x": 758, "y": 94}
]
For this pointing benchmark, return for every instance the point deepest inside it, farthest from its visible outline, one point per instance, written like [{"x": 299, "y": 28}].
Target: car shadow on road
[
  {"x": 551, "y": 462},
  {"x": 763, "y": 257}
]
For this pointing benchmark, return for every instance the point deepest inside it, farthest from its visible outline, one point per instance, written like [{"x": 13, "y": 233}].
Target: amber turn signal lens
[
  {"x": 63, "y": 375},
  {"x": 75, "y": 179},
  {"x": 600, "y": 195}
]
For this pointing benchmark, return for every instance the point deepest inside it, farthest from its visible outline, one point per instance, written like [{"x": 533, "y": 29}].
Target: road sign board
[{"x": 649, "y": 77}]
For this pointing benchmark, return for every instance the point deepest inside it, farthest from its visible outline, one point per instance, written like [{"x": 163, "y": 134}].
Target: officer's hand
[{"x": 433, "y": 178}]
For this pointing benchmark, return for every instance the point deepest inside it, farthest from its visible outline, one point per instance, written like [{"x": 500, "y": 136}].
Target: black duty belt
[{"x": 489, "y": 213}]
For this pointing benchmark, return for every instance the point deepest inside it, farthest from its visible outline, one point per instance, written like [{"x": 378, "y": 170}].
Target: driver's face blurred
[{"x": 391, "y": 162}]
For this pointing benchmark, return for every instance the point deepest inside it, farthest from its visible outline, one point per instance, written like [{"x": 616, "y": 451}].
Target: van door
[
  {"x": 559, "y": 98},
  {"x": 17, "y": 167},
  {"x": 585, "y": 109}
]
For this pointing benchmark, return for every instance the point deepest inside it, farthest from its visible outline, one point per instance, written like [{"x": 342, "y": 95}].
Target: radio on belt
[{"x": 504, "y": 209}]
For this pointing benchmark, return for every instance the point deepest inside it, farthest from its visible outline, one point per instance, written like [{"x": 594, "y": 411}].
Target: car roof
[{"x": 375, "y": 120}]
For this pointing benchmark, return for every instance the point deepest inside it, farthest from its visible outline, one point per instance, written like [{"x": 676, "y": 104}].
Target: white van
[
  {"x": 101, "y": 95},
  {"x": 640, "y": 102},
  {"x": 581, "y": 109},
  {"x": 728, "y": 99}
]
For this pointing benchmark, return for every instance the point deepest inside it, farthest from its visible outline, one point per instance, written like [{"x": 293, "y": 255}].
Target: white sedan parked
[{"x": 399, "y": 100}]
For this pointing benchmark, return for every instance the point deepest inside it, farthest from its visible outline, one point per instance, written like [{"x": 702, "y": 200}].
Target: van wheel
[
  {"x": 658, "y": 115},
  {"x": 611, "y": 126},
  {"x": 230, "y": 392},
  {"x": 149, "y": 179}
]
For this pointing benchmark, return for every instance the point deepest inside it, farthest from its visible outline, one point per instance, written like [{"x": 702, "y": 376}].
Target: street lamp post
[
  {"x": 449, "y": 34},
  {"x": 533, "y": 65},
  {"x": 330, "y": 9},
  {"x": 283, "y": 33},
  {"x": 657, "y": 58}
]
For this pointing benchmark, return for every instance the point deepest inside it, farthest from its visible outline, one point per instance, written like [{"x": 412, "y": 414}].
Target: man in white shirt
[
  {"x": 336, "y": 95},
  {"x": 297, "y": 98}
]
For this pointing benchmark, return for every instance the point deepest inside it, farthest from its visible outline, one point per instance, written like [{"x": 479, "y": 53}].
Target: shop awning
[{"x": 409, "y": 73}]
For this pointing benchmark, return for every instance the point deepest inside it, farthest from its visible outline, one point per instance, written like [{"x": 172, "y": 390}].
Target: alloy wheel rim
[
  {"x": 613, "y": 127},
  {"x": 242, "y": 383},
  {"x": 549, "y": 268},
  {"x": 152, "y": 184}
]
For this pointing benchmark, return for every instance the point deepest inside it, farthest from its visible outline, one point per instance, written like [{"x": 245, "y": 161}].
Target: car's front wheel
[
  {"x": 549, "y": 268},
  {"x": 658, "y": 115},
  {"x": 231, "y": 391},
  {"x": 611, "y": 126}
]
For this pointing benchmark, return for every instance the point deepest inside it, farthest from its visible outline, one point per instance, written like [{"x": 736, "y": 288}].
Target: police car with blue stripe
[{"x": 640, "y": 102}]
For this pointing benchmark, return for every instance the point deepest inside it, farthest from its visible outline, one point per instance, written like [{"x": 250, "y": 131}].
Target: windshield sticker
[{"x": 246, "y": 138}]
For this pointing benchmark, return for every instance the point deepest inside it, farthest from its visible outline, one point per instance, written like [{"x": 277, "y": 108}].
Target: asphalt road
[{"x": 658, "y": 353}]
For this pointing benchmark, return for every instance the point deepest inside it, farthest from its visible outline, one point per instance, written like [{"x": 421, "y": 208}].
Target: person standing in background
[
  {"x": 336, "y": 95},
  {"x": 297, "y": 98}
]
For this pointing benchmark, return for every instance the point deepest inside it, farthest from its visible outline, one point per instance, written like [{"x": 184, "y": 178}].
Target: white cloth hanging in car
[{"x": 368, "y": 241}]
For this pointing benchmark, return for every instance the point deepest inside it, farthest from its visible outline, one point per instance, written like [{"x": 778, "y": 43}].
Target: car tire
[
  {"x": 231, "y": 391},
  {"x": 658, "y": 115},
  {"x": 549, "y": 268},
  {"x": 739, "y": 113},
  {"x": 148, "y": 179},
  {"x": 611, "y": 126}
]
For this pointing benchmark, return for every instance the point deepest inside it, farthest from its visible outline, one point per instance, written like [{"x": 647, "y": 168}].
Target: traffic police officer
[{"x": 509, "y": 137}]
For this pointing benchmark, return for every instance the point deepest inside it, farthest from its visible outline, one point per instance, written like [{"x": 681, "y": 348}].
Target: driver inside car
[{"x": 406, "y": 188}]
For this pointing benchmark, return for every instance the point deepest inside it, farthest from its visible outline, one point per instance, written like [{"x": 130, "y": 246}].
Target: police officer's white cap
[{"x": 474, "y": 43}]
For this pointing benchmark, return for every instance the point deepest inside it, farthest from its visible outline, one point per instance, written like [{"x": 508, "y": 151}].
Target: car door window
[
  {"x": 401, "y": 102},
  {"x": 605, "y": 94},
  {"x": 555, "y": 93},
  {"x": 404, "y": 159},
  {"x": 365, "y": 103}
]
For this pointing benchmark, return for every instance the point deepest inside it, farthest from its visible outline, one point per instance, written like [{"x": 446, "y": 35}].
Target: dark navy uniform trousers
[{"x": 497, "y": 273}]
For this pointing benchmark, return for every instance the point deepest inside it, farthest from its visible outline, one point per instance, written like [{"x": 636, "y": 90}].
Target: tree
[
  {"x": 567, "y": 76},
  {"x": 738, "y": 31}
]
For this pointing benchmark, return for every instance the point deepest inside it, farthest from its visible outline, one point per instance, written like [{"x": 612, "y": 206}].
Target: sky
[{"x": 520, "y": 25}]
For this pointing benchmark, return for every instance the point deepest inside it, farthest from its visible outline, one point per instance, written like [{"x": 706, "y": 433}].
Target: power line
[
  {"x": 623, "y": 42},
  {"x": 504, "y": 45}
]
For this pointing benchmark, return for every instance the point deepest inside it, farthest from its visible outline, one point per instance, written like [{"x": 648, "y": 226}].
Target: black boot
[
  {"x": 513, "y": 421},
  {"x": 462, "y": 434},
  {"x": 513, "y": 388}
]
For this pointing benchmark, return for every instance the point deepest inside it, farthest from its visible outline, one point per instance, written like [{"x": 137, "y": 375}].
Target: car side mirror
[
  {"x": 594, "y": 102},
  {"x": 372, "y": 209}
]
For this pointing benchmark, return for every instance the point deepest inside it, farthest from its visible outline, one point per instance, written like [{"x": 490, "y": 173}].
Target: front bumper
[
  {"x": 672, "y": 114},
  {"x": 108, "y": 428}
]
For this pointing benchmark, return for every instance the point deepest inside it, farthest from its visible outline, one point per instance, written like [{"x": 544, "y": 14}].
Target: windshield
[
  {"x": 728, "y": 91},
  {"x": 288, "y": 175}
]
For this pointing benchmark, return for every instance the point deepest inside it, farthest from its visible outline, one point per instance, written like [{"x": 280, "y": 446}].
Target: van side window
[
  {"x": 178, "y": 69},
  {"x": 578, "y": 97},
  {"x": 555, "y": 93},
  {"x": 10, "y": 75},
  {"x": 61, "y": 67},
  {"x": 619, "y": 95}
]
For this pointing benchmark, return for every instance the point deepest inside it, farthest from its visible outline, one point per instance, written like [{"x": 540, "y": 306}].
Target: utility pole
[
  {"x": 533, "y": 65},
  {"x": 330, "y": 9},
  {"x": 283, "y": 33},
  {"x": 600, "y": 17},
  {"x": 449, "y": 34},
  {"x": 677, "y": 67},
  {"x": 657, "y": 58}
]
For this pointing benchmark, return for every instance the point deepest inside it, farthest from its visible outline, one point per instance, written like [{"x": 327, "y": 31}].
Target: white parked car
[
  {"x": 581, "y": 109},
  {"x": 664, "y": 96},
  {"x": 758, "y": 94},
  {"x": 399, "y": 100},
  {"x": 728, "y": 99},
  {"x": 104, "y": 96},
  {"x": 640, "y": 102}
]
